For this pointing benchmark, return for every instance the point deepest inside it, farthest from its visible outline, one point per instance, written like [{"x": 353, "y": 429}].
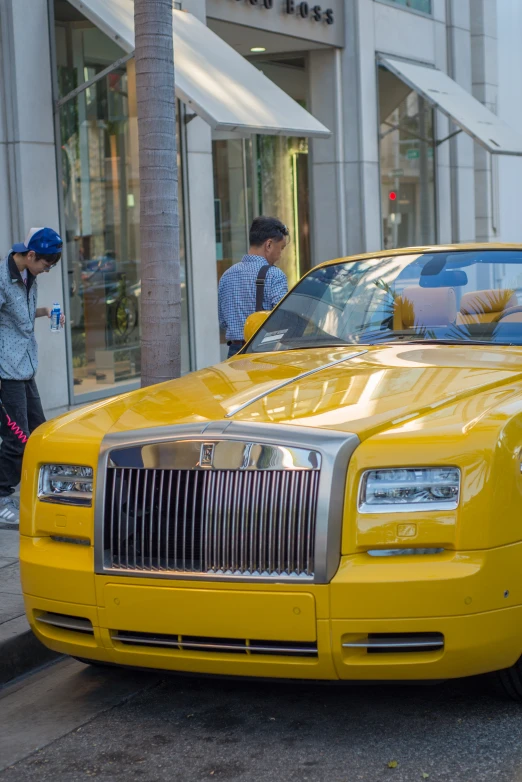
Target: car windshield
[{"x": 447, "y": 297}]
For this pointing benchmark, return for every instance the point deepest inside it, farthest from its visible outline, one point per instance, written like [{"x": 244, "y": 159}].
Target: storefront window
[
  {"x": 283, "y": 192},
  {"x": 416, "y": 5},
  {"x": 407, "y": 159},
  {"x": 101, "y": 202},
  {"x": 261, "y": 175}
]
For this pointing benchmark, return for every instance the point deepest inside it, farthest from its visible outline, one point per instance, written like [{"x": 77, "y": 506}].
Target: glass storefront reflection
[{"x": 101, "y": 202}]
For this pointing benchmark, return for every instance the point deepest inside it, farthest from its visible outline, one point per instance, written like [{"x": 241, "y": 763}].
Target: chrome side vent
[
  {"x": 403, "y": 552},
  {"x": 222, "y": 645},
  {"x": 379, "y": 643},
  {"x": 75, "y": 623}
]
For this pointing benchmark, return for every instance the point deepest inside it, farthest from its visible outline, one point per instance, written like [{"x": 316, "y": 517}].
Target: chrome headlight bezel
[
  {"x": 76, "y": 478},
  {"x": 411, "y": 506}
]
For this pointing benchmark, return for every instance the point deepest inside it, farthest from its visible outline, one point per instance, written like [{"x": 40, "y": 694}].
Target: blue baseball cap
[{"x": 44, "y": 241}]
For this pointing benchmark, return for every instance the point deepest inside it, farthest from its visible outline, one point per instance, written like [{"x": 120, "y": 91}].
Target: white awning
[
  {"x": 461, "y": 107},
  {"x": 223, "y": 88}
]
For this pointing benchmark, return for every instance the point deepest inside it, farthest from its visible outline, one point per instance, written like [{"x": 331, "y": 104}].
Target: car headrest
[
  {"x": 487, "y": 302},
  {"x": 428, "y": 307}
]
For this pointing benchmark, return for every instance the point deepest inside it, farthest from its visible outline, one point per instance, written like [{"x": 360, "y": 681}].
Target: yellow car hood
[{"x": 380, "y": 388}]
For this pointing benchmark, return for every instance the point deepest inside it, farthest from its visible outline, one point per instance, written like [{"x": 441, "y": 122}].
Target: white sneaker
[{"x": 9, "y": 513}]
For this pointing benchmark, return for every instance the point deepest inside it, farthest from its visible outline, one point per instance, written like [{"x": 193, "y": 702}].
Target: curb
[{"x": 20, "y": 650}]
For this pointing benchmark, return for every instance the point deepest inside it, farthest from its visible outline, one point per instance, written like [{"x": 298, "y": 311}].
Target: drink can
[{"x": 55, "y": 318}]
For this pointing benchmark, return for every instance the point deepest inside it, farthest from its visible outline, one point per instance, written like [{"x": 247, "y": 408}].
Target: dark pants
[
  {"x": 233, "y": 348},
  {"x": 23, "y": 406}
]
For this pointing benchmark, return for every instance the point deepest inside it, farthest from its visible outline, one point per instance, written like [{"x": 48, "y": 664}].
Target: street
[{"x": 71, "y": 722}]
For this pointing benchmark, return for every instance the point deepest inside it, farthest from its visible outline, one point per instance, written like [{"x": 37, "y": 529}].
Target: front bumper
[{"x": 472, "y": 599}]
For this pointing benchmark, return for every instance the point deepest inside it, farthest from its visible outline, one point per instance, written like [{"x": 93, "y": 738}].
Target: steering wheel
[{"x": 509, "y": 311}]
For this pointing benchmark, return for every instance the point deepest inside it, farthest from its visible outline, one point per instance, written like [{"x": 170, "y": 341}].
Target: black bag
[{"x": 260, "y": 286}]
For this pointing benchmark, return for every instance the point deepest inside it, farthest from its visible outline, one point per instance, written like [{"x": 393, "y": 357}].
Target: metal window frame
[
  {"x": 61, "y": 207},
  {"x": 102, "y": 393},
  {"x": 58, "y": 104},
  {"x": 181, "y": 115},
  {"x": 335, "y": 448},
  {"x": 86, "y": 84}
]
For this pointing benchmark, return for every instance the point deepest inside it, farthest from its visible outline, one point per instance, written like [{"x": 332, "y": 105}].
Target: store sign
[
  {"x": 320, "y": 21},
  {"x": 300, "y": 8}
]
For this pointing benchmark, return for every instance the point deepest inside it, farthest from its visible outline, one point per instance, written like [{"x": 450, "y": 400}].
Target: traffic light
[{"x": 392, "y": 195}]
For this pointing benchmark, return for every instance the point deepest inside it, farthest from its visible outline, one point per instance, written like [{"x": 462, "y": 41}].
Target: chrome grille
[{"x": 218, "y": 522}]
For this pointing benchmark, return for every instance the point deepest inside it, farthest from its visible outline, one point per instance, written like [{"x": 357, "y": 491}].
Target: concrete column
[
  {"x": 327, "y": 191},
  {"x": 509, "y": 31},
  {"x": 361, "y": 139},
  {"x": 33, "y": 188},
  {"x": 345, "y": 169},
  {"x": 442, "y": 130},
  {"x": 462, "y": 158},
  {"x": 201, "y": 236},
  {"x": 6, "y": 148},
  {"x": 485, "y": 86},
  {"x": 201, "y": 231}
]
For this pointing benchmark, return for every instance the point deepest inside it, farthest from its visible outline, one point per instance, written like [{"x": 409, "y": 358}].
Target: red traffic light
[{"x": 393, "y": 195}]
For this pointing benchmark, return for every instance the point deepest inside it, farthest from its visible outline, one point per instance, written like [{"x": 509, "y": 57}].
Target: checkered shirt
[{"x": 237, "y": 293}]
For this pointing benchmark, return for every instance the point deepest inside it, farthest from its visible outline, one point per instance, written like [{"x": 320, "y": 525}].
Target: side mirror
[{"x": 253, "y": 323}]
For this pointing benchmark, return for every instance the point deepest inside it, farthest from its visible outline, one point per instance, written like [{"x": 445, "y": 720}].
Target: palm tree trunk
[{"x": 159, "y": 217}]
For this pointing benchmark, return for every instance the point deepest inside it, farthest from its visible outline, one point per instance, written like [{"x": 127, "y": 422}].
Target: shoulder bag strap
[{"x": 260, "y": 286}]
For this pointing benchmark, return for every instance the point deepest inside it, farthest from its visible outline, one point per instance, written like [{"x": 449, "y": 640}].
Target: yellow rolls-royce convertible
[{"x": 342, "y": 500}]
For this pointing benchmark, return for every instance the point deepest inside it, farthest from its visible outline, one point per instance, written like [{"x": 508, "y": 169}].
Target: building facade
[{"x": 394, "y": 170}]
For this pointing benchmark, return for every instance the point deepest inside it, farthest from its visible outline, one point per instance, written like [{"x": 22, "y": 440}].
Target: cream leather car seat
[{"x": 424, "y": 307}]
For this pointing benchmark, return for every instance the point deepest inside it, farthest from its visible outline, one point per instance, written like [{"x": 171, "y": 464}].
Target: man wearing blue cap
[{"x": 22, "y": 409}]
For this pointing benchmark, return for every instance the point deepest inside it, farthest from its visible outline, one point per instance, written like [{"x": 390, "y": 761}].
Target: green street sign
[{"x": 412, "y": 154}]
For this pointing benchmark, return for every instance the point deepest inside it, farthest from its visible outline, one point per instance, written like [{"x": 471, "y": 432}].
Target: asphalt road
[{"x": 71, "y": 722}]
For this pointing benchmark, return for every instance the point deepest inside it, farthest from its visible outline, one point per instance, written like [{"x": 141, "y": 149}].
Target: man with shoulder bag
[{"x": 255, "y": 283}]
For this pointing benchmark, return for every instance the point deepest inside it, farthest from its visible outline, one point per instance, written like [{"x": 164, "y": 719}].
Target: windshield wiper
[
  {"x": 428, "y": 340},
  {"x": 307, "y": 344},
  {"x": 336, "y": 345},
  {"x": 395, "y": 338},
  {"x": 374, "y": 337},
  {"x": 456, "y": 341}
]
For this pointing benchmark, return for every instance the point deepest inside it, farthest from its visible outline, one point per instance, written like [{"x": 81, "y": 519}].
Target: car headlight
[
  {"x": 409, "y": 489},
  {"x": 70, "y": 484}
]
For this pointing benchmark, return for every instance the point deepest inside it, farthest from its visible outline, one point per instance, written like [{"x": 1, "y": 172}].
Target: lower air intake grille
[
  {"x": 237, "y": 522},
  {"x": 222, "y": 645},
  {"x": 384, "y": 643}
]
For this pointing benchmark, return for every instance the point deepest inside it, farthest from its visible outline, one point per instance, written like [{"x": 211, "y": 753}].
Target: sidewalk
[{"x": 20, "y": 651}]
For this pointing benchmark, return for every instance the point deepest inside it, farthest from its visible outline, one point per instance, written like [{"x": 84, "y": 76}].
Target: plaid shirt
[{"x": 237, "y": 293}]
